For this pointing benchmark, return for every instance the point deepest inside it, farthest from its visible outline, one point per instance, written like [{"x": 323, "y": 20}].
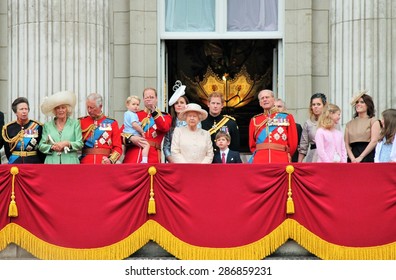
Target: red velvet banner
[{"x": 341, "y": 211}]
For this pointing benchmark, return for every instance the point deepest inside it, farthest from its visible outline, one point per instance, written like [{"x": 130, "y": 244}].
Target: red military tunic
[
  {"x": 272, "y": 137},
  {"x": 102, "y": 138},
  {"x": 155, "y": 126}
]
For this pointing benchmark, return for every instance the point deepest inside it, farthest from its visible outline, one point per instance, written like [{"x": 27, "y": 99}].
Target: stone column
[
  {"x": 58, "y": 45},
  {"x": 362, "y": 49}
]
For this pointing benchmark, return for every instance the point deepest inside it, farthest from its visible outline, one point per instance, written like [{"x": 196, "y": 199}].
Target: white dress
[{"x": 190, "y": 146}]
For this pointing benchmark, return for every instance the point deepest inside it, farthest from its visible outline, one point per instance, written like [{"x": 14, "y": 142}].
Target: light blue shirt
[{"x": 129, "y": 118}]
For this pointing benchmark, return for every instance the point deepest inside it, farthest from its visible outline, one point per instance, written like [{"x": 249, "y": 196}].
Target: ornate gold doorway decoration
[{"x": 237, "y": 92}]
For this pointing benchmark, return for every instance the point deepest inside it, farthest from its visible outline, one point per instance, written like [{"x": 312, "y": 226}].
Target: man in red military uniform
[
  {"x": 272, "y": 134},
  {"x": 155, "y": 125},
  {"x": 101, "y": 134}
]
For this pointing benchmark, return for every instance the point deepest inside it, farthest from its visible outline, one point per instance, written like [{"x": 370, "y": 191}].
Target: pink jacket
[{"x": 330, "y": 145}]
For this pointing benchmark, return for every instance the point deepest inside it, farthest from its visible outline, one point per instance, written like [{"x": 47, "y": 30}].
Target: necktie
[{"x": 223, "y": 160}]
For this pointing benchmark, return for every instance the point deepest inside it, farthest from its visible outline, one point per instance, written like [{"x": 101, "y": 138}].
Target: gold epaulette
[
  {"x": 258, "y": 115},
  {"x": 39, "y": 123},
  {"x": 7, "y": 124},
  {"x": 4, "y": 132},
  {"x": 14, "y": 140},
  {"x": 80, "y": 118}
]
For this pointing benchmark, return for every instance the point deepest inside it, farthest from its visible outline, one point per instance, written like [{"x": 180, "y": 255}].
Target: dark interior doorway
[{"x": 188, "y": 60}]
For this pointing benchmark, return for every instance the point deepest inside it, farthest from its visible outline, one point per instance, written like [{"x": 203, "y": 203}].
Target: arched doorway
[{"x": 236, "y": 68}]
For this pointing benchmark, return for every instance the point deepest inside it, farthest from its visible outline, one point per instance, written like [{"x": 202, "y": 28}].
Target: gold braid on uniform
[
  {"x": 264, "y": 122},
  {"x": 228, "y": 116},
  {"x": 159, "y": 114},
  {"x": 145, "y": 121},
  {"x": 88, "y": 131},
  {"x": 14, "y": 140},
  {"x": 114, "y": 156},
  {"x": 220, "y": 124}
]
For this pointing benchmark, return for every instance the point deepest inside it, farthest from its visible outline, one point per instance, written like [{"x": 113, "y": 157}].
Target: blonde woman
[
  {"x": 62, "y": 138},
  {"x": 329, "y": 140}
]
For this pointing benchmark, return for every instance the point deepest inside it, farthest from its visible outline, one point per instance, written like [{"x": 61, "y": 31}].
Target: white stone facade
[{"x": 334, "y": 47}]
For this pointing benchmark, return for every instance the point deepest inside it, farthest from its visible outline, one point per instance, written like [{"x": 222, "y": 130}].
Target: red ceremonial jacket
[
  {"x": 102, "y": 138},
  {"x": 272, "y": 137},
  {"x": 155, "y": 126}
]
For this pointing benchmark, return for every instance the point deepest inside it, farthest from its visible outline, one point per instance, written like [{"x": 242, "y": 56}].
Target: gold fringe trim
[
  {"x": 253, "y": 251},
  {"x": 152, "y": 230},
  {"x": 151, "y": 205},
  {"x": 3, "y": 239},
  {"x": 329, "y": 251},
  {"x": 13, "y": 209},
  {"x": 14, "y": 233},
  {"x": 290, "y": 202}
]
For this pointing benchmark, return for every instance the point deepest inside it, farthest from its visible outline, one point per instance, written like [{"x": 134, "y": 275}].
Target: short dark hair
[
  {"x": 17, "y": 101},
  {"x": 321, "y": 96}
]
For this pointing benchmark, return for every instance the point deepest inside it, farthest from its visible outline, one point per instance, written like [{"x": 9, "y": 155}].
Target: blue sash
[
  {"x": 97, "y": 133},
  {"x": 263, "y": 133},
  {"x": 26, "y": 141},
  {"x": 149, "y": 124}
]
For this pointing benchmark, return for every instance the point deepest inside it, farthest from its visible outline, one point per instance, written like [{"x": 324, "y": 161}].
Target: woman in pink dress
[{"x": 329, "y": 140}]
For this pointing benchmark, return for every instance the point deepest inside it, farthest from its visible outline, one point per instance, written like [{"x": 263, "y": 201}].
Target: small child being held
[
  {"x": 330, "y": 144},
  {"x": 385, "y": 151},
  {"x": 133, "y": 126},
  {"x": 224, "y": 154}
]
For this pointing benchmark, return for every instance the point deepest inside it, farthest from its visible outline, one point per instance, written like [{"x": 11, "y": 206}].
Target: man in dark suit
[
  {"x": 216, "y": 121},
  {"x": 223, "y": 154}
]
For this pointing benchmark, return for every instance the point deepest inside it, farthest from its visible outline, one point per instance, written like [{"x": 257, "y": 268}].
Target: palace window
[{"x": 221, "y": 16}]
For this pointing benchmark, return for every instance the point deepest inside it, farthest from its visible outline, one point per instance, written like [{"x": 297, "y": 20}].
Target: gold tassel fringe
[
  {"x": 13, "y": 209},
  {"x": 151, "y": 230},
  {"x": 290, "y": 202},
  {"x": 151, "y": 205},
  {"x": 290, "y": 206}
]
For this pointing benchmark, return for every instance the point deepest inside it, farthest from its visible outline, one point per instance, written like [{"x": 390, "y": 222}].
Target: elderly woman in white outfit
[{"x": 192, "y": 144}]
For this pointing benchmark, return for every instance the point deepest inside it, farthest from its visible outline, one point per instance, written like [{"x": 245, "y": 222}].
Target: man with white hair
[
  {"x": 272, "y": 134},
  {"x": 101, "y": 134}
]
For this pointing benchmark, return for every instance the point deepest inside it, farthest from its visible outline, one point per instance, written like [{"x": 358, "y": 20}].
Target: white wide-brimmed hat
[
  {"x": 193, "y": 107},
  {"x": 357, "y": 96},
  {"x": 57, "y": 99},
  {"x": 179, "y": 90}
]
